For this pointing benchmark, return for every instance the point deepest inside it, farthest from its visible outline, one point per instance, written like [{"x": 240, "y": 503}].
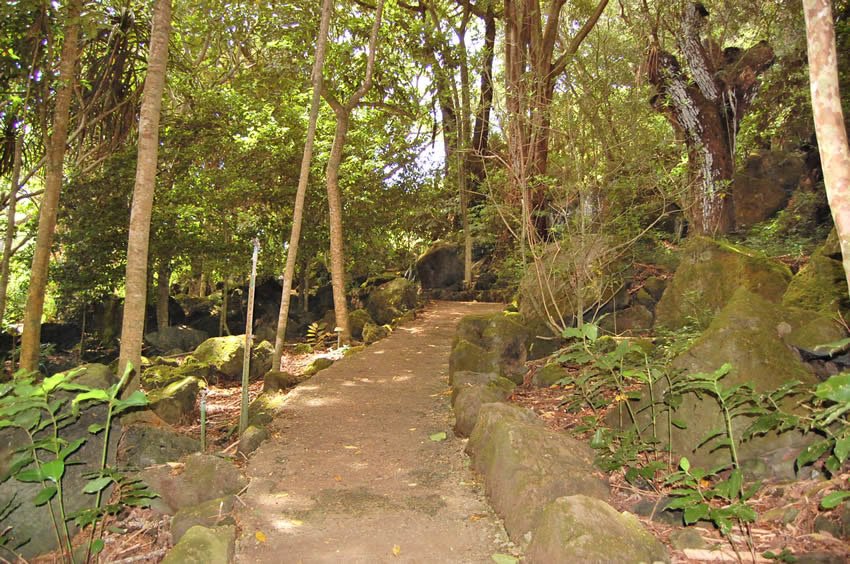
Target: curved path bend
[{"x": 351, "y": 474}]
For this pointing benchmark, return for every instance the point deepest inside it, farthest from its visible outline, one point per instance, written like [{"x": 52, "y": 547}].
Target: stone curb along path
[{"x": 362, "y": 465}]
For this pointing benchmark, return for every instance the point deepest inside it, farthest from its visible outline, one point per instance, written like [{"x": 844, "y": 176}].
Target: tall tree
[
  {"x": 829, "y": 118},
  {"x": 532, "y": 68},
  {"x": 303, "y": 178},
  {"x": 31, "y": 338},
  {"x": 136, "y": 284},
  {"x": 705, "y": 100},
  {"x": 342, "y": 111}
]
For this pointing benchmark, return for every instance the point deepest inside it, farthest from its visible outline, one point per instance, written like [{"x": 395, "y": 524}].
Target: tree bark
[
  {"x": 343, "y": 120},
  {"x": 304, "y": 175},
  {"x": 706, "y": 106},
  {"x": 829, "y": 118},
  {"x": 31, "y": 338},
  {"x": 133, "y": 324}
]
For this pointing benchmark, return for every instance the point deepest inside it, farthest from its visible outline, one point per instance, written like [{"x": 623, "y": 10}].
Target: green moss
[
  {"x": 820, "y": 286},
  {"x": 319, "y": 363},
  {"x": 548, "y": 375},
  {"x": 224, "y": 354}
]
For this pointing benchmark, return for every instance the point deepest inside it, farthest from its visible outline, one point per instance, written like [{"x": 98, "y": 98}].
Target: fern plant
[{"x": 318, "y": 334}]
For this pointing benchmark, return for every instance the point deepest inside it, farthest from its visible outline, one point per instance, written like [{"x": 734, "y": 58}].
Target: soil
[{"x": 358, "y": 469}]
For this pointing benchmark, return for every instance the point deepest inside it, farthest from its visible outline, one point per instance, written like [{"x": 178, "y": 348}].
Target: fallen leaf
[
  {"x": 477, "y": 516},
  {"x": 437, "y": 437},
  {"x": 504, "y": 558},
  {"x": 396, "y": 550},
  {"x": 351, "y": 447},
  {"x": 338, "y": 478},
  {"x": 260, "y": 536}
]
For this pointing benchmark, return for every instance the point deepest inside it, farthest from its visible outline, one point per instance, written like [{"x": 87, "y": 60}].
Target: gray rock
[
  {"x": 357, "y": 320},
  {"x": 391, "y": 299},
  {"x": 440, "y": 266},
  {"x": 503, "y": 338},
  {"x": 586, "y": 529},
  {"x": 526, "y": 466},
  {"x": 175, "y": 403},
  {"x": 201, "y": 545},
  {"x": 471, "y": 398},
  {"x": 373, "y": 333},
  {"x": 632, "y": 320},
  {"x": 252, "y": 438},
  {"x": 179, "y": 337},
  {"x": 262, "y": 356},
  {"x": 275, "y": 380},
  {"x": 203, "y": 477},
  {"x": 212, "y": 513},
  {"x": 548, "y": 375},
  {"x": 145, "y": 445},
  {"x": 464, "y": 379}
]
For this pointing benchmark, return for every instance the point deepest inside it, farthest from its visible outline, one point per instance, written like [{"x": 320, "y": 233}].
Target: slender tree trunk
[
  {"x": 11, "y": 228},
  {"x": 249, "y": 340},
  {"x": 464, "y": 157},
  {"x": 829, "y": 119},
  {"x": 31, "y": 338},
  {"x": 343, "y": 117},
  {"x": 163, "y": 279},
  {"x": 133, "y": 324},
  {"x": 222, "y": 316},
  {"x": 304, "y": 175}
]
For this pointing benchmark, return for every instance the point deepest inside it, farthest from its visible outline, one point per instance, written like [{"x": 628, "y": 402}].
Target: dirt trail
[{"x": 351, "y": 474}]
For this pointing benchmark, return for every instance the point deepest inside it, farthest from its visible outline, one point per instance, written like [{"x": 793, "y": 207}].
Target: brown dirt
[{"x": 351, "y": 473}]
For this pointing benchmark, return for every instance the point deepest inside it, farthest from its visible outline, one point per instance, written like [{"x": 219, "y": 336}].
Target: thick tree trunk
[
  {"x": 481, "y": 130},
  {"x": 304, "y": 175},
  {"x": 163, "y": 279},
  {"x": 343, "y": 117},
  {"x": 31, "y": 338},
  {"x": 706, "y": 106},
  {"x": 829, "y": 120},
  {"x": 11, "y": 228},
  {"x": 133, "y": 323}
]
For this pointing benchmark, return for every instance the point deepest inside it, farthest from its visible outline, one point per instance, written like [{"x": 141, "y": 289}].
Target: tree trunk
[
  {"x": 829, "y": 120},
  {"x": 306, "y": 159},
  {"x": 132, "y": 326},
  {"x": 343, "y": 117},
  {"x": 163, "y": 279},
  {"x": 31, "y": 338},
  {"x": 11, "y": 228},
  {"x": 222, "y": 315},
  {"x": 706, "y": 106}
]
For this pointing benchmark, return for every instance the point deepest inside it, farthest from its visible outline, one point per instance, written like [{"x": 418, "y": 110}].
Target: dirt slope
[{"x": 351, "y": 474}]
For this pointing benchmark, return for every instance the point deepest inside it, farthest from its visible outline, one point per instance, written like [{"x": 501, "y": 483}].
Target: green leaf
[
  {"x": 71, "y": 448},
  {"x": 94, "y": 486},
  {"x": 45, "y": 495},
  {"x": 52, "y": 382},
  {"x": 53, "y": 470},
  {"x": 590, "y": 331},
  {"x": 834, "y": 499},
  {"x": 96, "y": 428},
  {"x": 504, "y": 559},
  {"x": 91, "y": 395},
  {"x": 97, "y": 546},
  {"x": 136, "y": 399},
  {"x": 685, "y": 464},
  {"x": 837, "y": 388},
  {"x": 813, "y": 452},
  {"x": 437, "y": 437},
  {"x": 832, "y": 348},
  {"x": 31, "y": 475},
  {"x": 696, "y": 513},
  {"x": 679, "y": 423}
]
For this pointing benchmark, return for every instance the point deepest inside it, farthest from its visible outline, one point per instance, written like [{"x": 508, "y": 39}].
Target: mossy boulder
[
  {"x": 748, "y": 334},
  {"x": 223, "y": 354},
  {"x": 263, "y": 410},
  {"x": 464, "y": 379},
  {"x": 146, "y": 445},
  {"x": 252, "y": 438},
  {"x": 441, "y": 266},
  {"x": 635, "y": 319},
  {"x": 261, "y": 359},
  {"x": 175, "y": 403},
  {"x": 820, "y": 286},
  {"x": 201, "y": 478},
  {"x": 579, "y": 528},
  {"x": 486, "y": 342},
  {"x": 318, "y": 364},
  {"x": 548, "y": 375},
  {"x": 389, "y": 300},
  {"x": 210, "y": 513},
  {"x": 709, "y": 274},
  {"x": 202, "y": 545},
  {"x": 373, "y": 333},
  {"x": 763, "y": 184},
  {"x": 469, "y": 400},
  {"x": 161, "y": 375},
  {"x": 176, "y": 337},
  {"x": 275, "y": 380},
  {"x": 357, "y": 320},
  {"x": 525, "y": 465}
]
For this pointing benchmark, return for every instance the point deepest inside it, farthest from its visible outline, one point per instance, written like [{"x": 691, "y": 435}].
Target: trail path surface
[{"x": 351, "y": 474}]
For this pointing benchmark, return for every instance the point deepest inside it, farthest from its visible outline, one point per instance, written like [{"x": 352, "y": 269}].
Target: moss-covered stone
[
  {"x": 202, "y": 545},
  {"x": 462, "y": 379},
  {"x": 350, "y": 351},
  {"x": 261, "y": 360},
  {"x": 146, "y": 445},
  {"x": 391, "y": 299},
  {"x": 203, "y": 477},
  {"x": 357, "y": 320},
  {"x": 210, "y": 513},
  {"x": 175, "y": 403},
  {"x": 819, "y": 286},
  {"x": 526, "y": 466},
  {"x": 708, "y": 275},
  {"x": 223, "y": 354},
  {"x": 470, "y": 398},
  {"x": 503, "y": 338},
  {"x": 263, "y": 410},
  {"x": 469, "y": 357},
  {"x": 548, "y": 375},
  {"x": 746, "y": 334},
  {"x": 252, "y": 438},
  {"x": 176, "y": 337},
  {"x": 160, "y": 375},
  {"x": 275, "y": 380},
  {"x": 373, "y": 333},
  {"x": 319, "y": 363},
  {"x": 635, "y": 319},
  {"x": 579, "y": 528}
]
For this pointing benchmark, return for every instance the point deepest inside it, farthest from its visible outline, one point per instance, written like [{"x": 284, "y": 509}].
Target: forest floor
[{"x": 363, "y": 465}]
